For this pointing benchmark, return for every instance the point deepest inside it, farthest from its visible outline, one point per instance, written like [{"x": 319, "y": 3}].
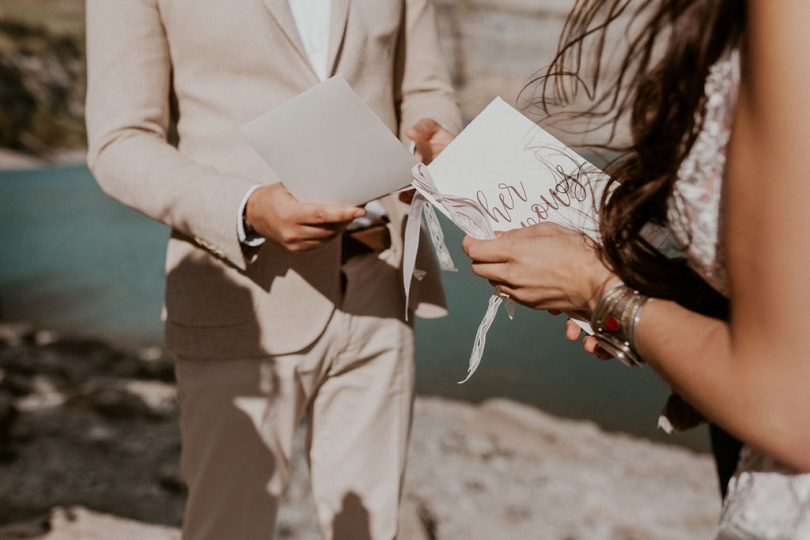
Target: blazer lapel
[
  {"x": 339, "y": 17},
  {"x": 280, "y": 10}
]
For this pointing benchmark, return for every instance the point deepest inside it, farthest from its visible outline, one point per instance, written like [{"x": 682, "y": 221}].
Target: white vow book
[
  {"x": 327, "y": 145},
  {"x": 501, "y": 173},
  {"x": 517, "y": 174}
]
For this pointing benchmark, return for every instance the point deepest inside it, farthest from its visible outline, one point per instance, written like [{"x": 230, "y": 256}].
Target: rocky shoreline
[
  {"x": 89, "y": 448},
  {"x": 42, "y": 95}
]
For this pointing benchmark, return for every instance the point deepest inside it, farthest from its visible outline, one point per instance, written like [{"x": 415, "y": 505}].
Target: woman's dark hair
[{"x": 671, "y": 44}]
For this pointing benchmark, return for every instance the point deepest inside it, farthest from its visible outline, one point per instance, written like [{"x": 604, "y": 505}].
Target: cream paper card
[
  {"x": 518, "y": 174},
  {"x": 501, "y": 173},
  {"x": 327, "y": 145}
]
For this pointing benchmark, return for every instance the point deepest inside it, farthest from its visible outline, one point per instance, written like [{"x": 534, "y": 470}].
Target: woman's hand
[
  {"x": 589, "y": 343},
  {"x": 545, "y": 266}
]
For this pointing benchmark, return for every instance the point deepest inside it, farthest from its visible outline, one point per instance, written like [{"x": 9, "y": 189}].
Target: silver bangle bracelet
[{"x": 615, "y": 321}]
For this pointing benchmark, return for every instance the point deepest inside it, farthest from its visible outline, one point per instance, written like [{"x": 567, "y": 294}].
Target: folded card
[{"x": 327, "y": 145}]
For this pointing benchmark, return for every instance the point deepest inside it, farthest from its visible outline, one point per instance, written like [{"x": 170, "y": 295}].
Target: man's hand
[
  {"x": 430, "y": 139},
  {"x": 274, "y": 213}
]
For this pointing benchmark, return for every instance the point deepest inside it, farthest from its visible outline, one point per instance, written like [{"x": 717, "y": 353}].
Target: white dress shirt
[
  {"x": 312, "y": 18},
  {"x": 313, "y": 21}
]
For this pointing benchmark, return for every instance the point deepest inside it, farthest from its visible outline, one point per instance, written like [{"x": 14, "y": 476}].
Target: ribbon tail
[
  {"x": 510, "y": 308},
  {"x": 481, "y": 335},
  {"x": 411, "y": 247},
  {"x": 437, "y": 237}
]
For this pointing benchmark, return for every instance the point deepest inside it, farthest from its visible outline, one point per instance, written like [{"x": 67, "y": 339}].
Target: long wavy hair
[{"x": 659, "y": 90}]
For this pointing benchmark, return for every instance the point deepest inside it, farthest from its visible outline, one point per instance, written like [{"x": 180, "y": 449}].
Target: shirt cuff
[{"x": 249, "y": 239}]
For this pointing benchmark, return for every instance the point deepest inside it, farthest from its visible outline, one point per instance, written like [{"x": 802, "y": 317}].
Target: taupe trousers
[{"x": 355, "y": 386}]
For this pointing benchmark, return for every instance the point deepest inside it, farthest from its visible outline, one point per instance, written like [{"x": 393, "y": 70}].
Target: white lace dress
[{"x": 765, "y": 500}]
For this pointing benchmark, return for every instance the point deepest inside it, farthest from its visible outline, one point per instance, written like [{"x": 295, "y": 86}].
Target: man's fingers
[
  {"x": 320, "y": 231},
  {"x": 322, "y": 214},
  {"x": 309, "y": 233},
  {"x": 430, "y": 138},
  {"x": 304, "y": 246},
  {"x": 423, "y": 130},
  {"x": 424, "y": 153}
]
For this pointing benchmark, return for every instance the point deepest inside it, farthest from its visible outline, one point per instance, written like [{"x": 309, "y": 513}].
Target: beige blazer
[{"x": 212, "y": 66}]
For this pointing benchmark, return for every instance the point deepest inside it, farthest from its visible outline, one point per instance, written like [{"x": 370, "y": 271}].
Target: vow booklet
[
  {"x": 501, "y": 173},
  {"x": 518, "y": 174},
  {"x": 327, "y": 145}
]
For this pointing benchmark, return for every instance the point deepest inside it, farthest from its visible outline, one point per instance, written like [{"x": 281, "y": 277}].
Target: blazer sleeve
[
  {"x": 128, "y": 114},
  {"x": 424, "y": 87}
]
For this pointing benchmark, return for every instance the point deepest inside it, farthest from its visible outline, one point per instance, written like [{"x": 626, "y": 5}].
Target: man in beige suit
[{"x": 273, "y": 310}]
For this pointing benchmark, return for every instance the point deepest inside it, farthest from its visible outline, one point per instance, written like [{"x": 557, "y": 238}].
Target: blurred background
[{"x": 87, "y": 411}]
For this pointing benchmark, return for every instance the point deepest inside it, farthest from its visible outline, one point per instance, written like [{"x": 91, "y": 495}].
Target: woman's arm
[{"x": 752, "y": 375}]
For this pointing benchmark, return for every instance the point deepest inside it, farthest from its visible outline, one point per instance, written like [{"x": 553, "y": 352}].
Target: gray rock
[
  {"x": 42, "y": 96},
  {"x": 552, "y": 478}
]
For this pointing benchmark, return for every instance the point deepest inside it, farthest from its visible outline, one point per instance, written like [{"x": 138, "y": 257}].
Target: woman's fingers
[
  {"x": 505, "y": 290},
  {"x": 487, "y": 250},
  {"x": 572, "y": 331},
  {"x": 492, "y": 271},
  {"x": 590, "y": 344},
  {"x": 602, "y": 354}
]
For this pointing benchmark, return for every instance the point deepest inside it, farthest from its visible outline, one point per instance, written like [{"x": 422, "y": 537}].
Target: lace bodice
[
  {"x": 765, "y": 500},
  {"x": 694, "y": 211}
]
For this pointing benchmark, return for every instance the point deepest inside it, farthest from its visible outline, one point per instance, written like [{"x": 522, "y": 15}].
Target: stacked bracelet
[{"x": 614, "y": 322}]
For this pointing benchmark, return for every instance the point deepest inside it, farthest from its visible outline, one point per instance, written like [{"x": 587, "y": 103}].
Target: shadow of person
[
  {"x": 240, "y": 410},
  {"x": 352, "y": 522},
  {"x": 229, "y": 456}
]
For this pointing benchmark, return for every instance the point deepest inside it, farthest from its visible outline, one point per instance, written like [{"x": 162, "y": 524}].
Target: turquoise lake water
[{"x": 73, "y": 260}]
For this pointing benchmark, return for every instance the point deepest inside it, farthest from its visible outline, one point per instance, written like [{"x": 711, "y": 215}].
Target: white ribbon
[
  {"x": 480, "y": 342},
  {"x": 468, "y": 216},
  {"x": 437, "y": 237},
  {"x": 411, "y": 246}
]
